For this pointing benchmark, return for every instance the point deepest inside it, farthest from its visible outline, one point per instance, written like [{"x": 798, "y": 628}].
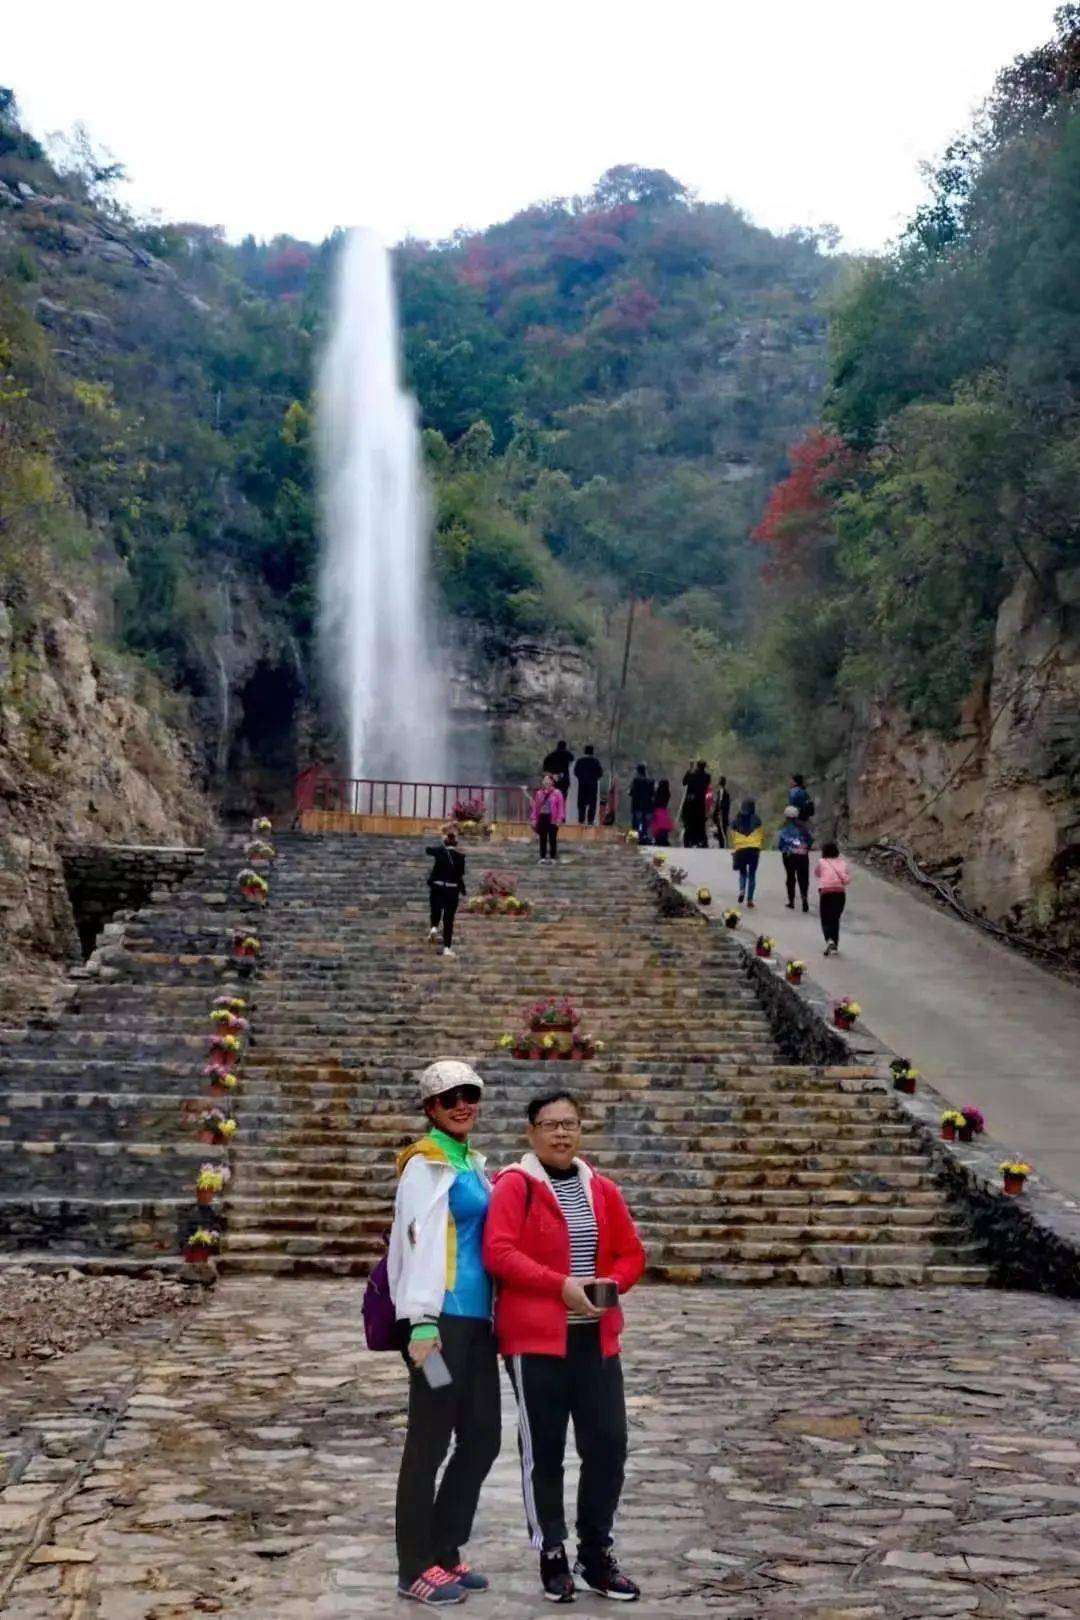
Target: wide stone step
[{"x": 808, "y": 1274}]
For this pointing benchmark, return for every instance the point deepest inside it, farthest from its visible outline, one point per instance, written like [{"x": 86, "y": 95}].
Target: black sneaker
[
  {"x": 603, "y": 1576},
  {"x": 555, "y": 1576}
]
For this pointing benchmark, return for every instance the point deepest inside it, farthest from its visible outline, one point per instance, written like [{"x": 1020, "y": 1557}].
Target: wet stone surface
[{"x": 833, "y": 1455}]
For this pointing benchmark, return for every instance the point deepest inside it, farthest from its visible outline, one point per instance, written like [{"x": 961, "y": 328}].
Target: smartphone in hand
[{"x": 436, "y": 1371}]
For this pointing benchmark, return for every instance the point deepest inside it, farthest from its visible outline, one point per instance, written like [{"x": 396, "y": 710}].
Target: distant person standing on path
[
  {"x": 558, "y": 764},
  {"x": 799, "y": 796},
  {"x": 722, "y": 813},
  {"x": 446, "y": 883},
  {"x": 547, "y": 816},
  {"x": 558, "y": 1239},
  {"x": 795, "y": 843},
  {"x": 662, "y": 824},
  {"x": 747, "y": 837},
  {"x": 833, "y": 876},
  {"x": 642, "y": 799},
  {"x": 696, "y": 784},
  {"x": 588, "y": 771}
]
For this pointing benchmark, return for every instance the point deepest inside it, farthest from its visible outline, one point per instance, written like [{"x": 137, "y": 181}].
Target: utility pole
[{"x": 615, "y": 732}]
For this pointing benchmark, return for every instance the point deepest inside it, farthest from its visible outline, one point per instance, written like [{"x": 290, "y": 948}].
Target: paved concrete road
[
  {"x": 795, "y": 1454},
  {"x": 984, "y": 1025}
]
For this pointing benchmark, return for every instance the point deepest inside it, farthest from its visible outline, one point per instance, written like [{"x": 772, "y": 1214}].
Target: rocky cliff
[
  {"x": 996, "y": 807},
  {"x": 92, "y": 749}
]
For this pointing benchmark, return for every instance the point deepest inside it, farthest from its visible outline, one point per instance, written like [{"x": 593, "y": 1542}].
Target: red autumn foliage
[
  {"x": 797, "y": 518},
  {"x": 631, "y": 313}
]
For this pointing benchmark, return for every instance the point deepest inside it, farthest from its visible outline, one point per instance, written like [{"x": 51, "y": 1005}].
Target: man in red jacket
[{"x": 554, "y": 1227}]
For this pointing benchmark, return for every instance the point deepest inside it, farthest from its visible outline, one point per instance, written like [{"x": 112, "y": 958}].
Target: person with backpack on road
[
  {"x": 547, "y": 816},
  {"x": 833, "y": 877},
  {"x": 442, "y": 1298},
  {"x": 562, "y": 1248},
  {"x": 747, "y": 839},
  {"x": 795, "y": 842},
  {"x": 446, "y": 883},
  {"x": 799, "y": 796}
]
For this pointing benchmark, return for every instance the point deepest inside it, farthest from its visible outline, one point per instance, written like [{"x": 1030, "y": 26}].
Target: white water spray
[{"x": 375, "y": 630}]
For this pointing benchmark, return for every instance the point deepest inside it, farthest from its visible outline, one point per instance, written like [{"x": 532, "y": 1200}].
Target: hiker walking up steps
[
  {"x": 446, "y": 881},
  {"x": 442, "y": 1301}
]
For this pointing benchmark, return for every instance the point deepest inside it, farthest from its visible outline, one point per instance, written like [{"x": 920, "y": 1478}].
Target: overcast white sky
[{"x": 268, "y": 116}]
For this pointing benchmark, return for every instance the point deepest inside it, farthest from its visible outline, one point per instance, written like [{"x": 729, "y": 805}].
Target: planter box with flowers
[
  {"x": 224, "y": 1050},
  {"x": 904, "y": 1076},
  {"x": 252, "y": 886},
  {"x": 246, "y": 949},
  {"x": 212, "y": 1180},
  {"x": 764, "y": 946},
  {"x": 468, "y": 816},
  {"x": 794, "y": 971},
  {"x": 497, "y": 897},
  {"x": 704, "y": 896},
  {"x": 552, "y": 1032},
  {"x": 630, "y": 837},
  {"x": 732, "y": 917},
  {"x": 1014, "y": 1174},
  {"x": 262, "y": 827},
  {"x": 951, "y": 1121},
  {"x": 214, "y": 1126},
  {"x": 845, "y": 1012},
  {"x": 973, "y": 1125},
  {"x": 202, "y": 1243},
  {"x": 259, "y": 852},
  {"x": 223, "y": 1083}
]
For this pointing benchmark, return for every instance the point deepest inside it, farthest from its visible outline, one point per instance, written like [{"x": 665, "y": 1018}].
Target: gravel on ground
[{"x": 44, "y": 1314}]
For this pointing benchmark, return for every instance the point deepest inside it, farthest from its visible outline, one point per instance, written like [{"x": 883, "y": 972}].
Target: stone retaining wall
[
  {"x": 103, "y": 879},
  {"x": 1032, "y": 1241}
]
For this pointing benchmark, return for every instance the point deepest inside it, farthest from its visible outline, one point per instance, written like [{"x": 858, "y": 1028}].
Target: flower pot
[
  {"x": 217, "y": 1089},
  {"x": 1014, "y": 1185},
  {"x": 765, "y": 955},
  {"x": 965, "y": 1133},
  {"x": 203, "y": 1195},
  {"x": 548, "y": 1027},
  {"x": 566, "y": 1055},
  {"x": 196, "y": 1257},
  {"x": 903, "y": 1082},
  {"x": 842, "y": 1021},
  {"x": 794, "y": 978},
  {"x": 207, "y": 1135},
  {"x": 948, "y": 1133}
]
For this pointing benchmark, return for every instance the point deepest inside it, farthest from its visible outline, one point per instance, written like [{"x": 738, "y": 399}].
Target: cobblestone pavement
[{"x": 827, "y": 1455}]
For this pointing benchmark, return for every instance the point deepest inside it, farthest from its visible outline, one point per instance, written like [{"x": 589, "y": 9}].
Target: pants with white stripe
[{"x": 586, "y": 1387}]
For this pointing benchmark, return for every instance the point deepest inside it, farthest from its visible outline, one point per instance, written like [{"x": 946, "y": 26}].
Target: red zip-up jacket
[{"x": 527, "y": 1251}]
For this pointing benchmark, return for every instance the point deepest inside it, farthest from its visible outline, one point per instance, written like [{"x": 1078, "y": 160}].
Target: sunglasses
[{"x": 458, "y": 1094}]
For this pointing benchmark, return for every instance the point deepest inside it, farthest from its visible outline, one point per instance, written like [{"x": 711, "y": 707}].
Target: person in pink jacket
[
  {"x": 833, "y": 876},
  {"x": 548, "y": 815}
]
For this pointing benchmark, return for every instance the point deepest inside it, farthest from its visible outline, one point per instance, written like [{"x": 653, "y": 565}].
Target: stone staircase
[{"x": 740, "y": 1168}]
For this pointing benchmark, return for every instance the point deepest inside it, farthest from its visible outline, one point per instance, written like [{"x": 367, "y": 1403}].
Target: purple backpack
[{"x": 380, "y": 1319}]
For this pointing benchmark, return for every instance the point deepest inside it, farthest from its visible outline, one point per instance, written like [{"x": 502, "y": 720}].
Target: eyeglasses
[
  {"x": 458, "y": 1094},
  {"x": 550, "y": 1126}
]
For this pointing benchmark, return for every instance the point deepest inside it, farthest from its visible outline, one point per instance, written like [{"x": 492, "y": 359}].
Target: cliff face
[
  {"x": 91, "y": 749},
  {"x": 512, "y": 704},
  {"x": 997, "y": 806}
]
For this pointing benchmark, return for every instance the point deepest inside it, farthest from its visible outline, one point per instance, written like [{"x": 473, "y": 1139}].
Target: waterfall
[{"x": 376, "y": 634}]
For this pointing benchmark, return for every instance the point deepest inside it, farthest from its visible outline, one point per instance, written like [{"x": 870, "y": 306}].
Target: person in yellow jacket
[{"x": 747, "y": 839}]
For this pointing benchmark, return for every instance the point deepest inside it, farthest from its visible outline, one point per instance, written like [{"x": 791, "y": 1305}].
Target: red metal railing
[{"x": 319, "y": 789}]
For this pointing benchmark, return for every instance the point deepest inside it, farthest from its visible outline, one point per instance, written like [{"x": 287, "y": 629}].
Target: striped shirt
[{"x": 574, "y": 1203}]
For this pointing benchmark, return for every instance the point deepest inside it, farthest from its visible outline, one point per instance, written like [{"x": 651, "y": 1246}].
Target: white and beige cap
[{"x": 444, "y": 1074}]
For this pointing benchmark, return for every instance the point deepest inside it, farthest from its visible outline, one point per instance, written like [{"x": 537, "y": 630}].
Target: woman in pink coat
[
  {"x": 548, "y": 815},
  {"x": 833, "y": 876}
]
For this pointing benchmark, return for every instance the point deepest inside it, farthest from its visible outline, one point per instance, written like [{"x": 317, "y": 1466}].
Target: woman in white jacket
[{"x": 442, "y": 1299}]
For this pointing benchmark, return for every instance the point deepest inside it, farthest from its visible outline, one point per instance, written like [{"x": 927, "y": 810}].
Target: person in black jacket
[
  {"x": 722, "y": 813},
  {"x": 557, "y": 764},
  {"x": 588, "y": 771},
  {"x": 642, "y": 799},
  {"x": 696, "y": 782},
  {"x": 446, "y": 882}
]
